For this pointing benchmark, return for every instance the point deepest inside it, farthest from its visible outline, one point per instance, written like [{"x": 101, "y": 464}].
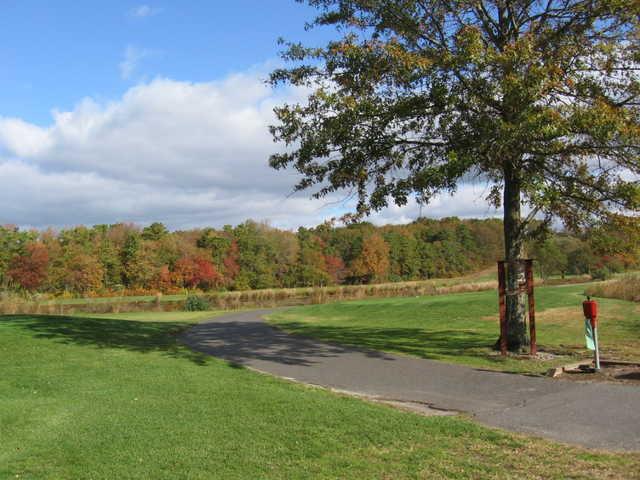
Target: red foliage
[
  {"x": 162, "y": 280},
  {"x": 335, "y": 268},
  {"x": 30, "y": 269},
  {"x": 192, "y": 272}
]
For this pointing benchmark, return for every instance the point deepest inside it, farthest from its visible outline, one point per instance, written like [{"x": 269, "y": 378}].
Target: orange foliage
[{"x": 373, "y": 261}]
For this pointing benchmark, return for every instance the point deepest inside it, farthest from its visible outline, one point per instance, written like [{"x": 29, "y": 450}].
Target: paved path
[{"x": 595, "y": 415}]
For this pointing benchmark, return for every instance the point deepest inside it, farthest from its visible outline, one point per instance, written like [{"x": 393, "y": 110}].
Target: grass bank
[
  {"x": 626, "y": 287},
  {"x": 118, "y": 397},
  {"x": 462, "y": 328}
]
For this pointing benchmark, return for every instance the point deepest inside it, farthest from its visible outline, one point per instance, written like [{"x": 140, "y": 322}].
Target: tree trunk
[{"x": 517, "y": 338}]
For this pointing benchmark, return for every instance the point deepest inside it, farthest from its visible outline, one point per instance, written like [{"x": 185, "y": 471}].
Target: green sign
[{"x": 588, "y": 334}]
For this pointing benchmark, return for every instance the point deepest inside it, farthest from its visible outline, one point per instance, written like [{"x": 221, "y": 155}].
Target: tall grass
[
  {"x": 623, "y": 288},
  {"x": 273, "y": 297},
  {"x": 266, "y": 298}
]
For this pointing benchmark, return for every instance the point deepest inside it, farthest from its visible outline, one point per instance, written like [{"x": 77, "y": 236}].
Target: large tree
[{"x": 539, "y": 98}]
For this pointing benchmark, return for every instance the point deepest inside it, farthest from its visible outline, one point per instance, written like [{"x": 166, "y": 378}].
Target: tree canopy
[
  {"x": 418, "y": 94},
  {"x": 538, "y": 98}
]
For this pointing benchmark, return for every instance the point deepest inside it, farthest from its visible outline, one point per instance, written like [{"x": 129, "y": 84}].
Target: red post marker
[{"x": 590, "y": 309}]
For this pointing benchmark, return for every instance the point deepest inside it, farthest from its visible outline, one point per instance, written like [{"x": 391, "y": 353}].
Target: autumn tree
[
  {"x": 539, "y": 98},
  {"x": 373, "y": 262},
  {"x": 335, "y": 267},
  {"x": 13, "y": 242},
  {"x": 311, "y": 266},
  {"x": 29, "y": 270},
  {"x": 619, "y": 238},
  {"x": 77, "y": 271},
  {"x": 163, "y": 281},
  {"x": 194, "y": 272}
]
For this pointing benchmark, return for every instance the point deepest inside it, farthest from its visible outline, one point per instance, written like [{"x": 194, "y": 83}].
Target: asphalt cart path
[{"x": 595, "y": 415}]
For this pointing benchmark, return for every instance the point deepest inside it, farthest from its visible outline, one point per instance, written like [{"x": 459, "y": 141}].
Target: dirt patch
[{"x": 610, "y": 371}]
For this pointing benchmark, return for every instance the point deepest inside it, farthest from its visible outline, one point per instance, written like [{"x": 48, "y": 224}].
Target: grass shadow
[{"x": 141, "y": 337}]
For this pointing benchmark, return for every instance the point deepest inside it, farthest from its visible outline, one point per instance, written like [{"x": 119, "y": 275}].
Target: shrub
[
  {"x": 601, "y": 274},
  {"x": 196, "y": 304}
]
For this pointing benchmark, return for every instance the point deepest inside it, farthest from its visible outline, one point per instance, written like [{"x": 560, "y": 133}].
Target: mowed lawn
[
  {"x": 118, "y": 397},
  {"x": 462, "y": 328}
]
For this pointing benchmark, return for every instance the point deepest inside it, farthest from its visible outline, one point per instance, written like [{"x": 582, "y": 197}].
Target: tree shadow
[
  {"x": 141, "y": 337},
  {"x": 242, "y": 342},
  {"x": 418, "y": 342}
]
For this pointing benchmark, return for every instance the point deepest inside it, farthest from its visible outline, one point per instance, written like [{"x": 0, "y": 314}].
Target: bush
[
  {"x": 601, "y": 274},
  {"x": 196, "y": 304}
]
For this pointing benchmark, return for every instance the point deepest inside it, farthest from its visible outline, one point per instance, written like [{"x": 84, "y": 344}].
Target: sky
[{"x": 141, "y": 112}]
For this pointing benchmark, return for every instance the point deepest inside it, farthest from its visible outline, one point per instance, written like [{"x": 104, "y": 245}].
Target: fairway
[
  {"x": 117, "y": 397},
  {"x": 462, "y": 328}
]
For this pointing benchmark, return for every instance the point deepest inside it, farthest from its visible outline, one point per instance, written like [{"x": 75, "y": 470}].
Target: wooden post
[
  {"x": 532, "y": 305},
  {"x": 503, "y": 307}
]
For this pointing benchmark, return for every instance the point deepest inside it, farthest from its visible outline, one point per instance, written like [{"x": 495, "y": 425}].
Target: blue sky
[
  {"x": 54, "y": 53},
  {"x": 119, "y": 111}
]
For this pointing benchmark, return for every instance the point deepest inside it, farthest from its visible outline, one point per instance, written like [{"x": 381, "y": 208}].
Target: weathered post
[
  {"x": 503, "y": 307},
  {"x": 532, "y": 306}
]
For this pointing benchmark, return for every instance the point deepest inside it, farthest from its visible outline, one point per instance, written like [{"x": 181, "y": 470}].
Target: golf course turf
[
  {"x": 119, "y": 397},
  {"x": 462, "y": 328}
]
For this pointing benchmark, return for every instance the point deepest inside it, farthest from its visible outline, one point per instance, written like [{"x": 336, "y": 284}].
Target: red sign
[{"x": 590, "y": 308}]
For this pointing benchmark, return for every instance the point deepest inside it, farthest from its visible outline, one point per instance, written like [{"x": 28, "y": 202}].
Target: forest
[{"x": 126, "y": 259}]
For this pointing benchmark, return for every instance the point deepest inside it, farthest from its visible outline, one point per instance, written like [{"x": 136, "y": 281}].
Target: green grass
[
  {"x": 462, "y": 328},
  {"x": 118, "y": 397}
]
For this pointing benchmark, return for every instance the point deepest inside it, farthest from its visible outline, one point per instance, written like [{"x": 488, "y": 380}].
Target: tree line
[{"x": 125, "y": 258}]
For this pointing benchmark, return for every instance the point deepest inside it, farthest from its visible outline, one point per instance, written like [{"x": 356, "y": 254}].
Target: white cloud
[
  {"x": 23, "y": 138},
  {"x": 469, "y": 201},
  {"x": 142, "y": 11},
  {"x": 187, "y": 154},
  {"x": 132, "y": 57}
]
